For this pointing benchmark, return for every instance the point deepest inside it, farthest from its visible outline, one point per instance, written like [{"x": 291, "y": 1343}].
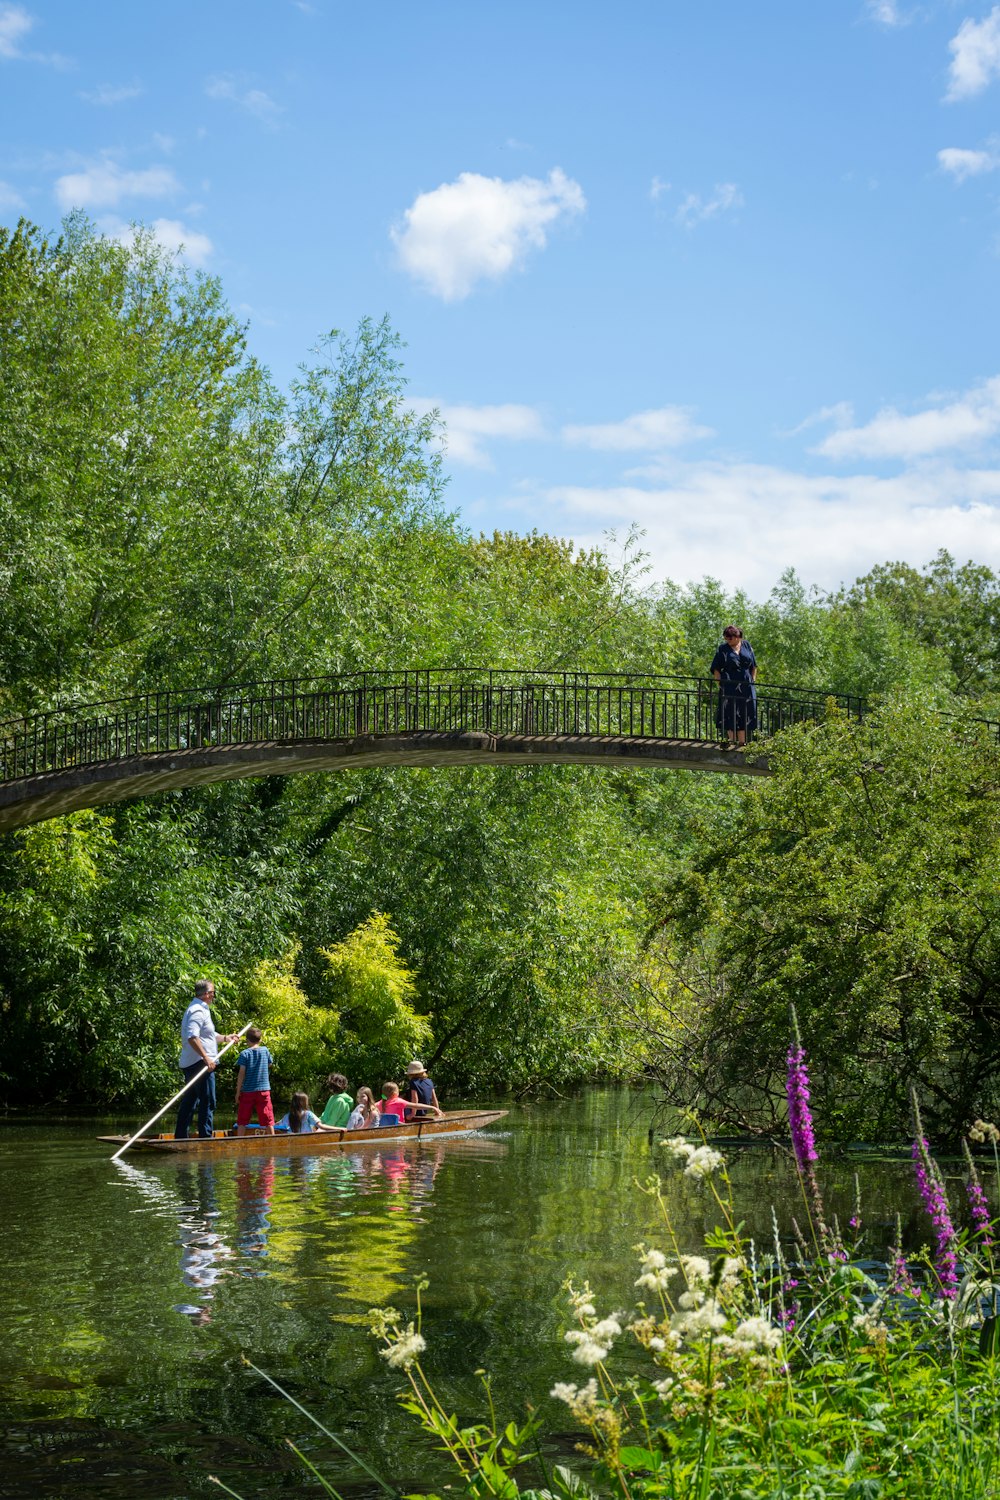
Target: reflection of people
[
  {"x": 734, "y": 668},
  {"x": 199, "y": 1050},
  {"x": 254, "y": 1186},
  {"x": 203, "y": 1249},
  {"x": 253, "y": 1085},
  {"x": 418, "y": 1088}
]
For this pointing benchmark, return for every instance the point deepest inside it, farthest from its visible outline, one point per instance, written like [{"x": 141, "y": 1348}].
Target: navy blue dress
[{"x": 737, "y": 710}]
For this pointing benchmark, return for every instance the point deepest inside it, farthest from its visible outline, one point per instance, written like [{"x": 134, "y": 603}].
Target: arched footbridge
[{"x": 92, "y": 754}]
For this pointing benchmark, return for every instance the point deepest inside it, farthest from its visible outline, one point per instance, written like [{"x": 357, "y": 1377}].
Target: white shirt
[{"x": 197, "y": 1022}]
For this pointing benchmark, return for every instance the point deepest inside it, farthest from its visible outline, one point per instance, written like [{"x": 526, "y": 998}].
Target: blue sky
[{"x": 725, "y": 271}]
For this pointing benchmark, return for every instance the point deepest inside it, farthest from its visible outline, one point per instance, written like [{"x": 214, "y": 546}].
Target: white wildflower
[
  {"x": 657, "y": 1344},
  {"x": 655, "y": 1273},
  {"x": 708, "y": 1317},
  {"x": 382, "y": 1320},
  {"x": 697, "y": 1270},
  {"x": 580, "y": 1301},
  {"x": 871, "y": 1325},
  {"x": 752, "y": 1336},
  {"x": 588, "y": 1351},
  {"x": 703, "y": 1162},
  {"x": 679, "y": 1147},
  {"x": 404, "y": 1351},
  {"x": 582, "y": 1401},
  {"x": 665, "y": 1387}
]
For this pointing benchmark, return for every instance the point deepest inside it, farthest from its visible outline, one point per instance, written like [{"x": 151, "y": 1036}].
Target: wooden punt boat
[{"x": 315, "y": 1143}]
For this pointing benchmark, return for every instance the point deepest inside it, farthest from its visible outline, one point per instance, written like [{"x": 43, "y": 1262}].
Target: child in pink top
[{"x": 393, "y": 1108}]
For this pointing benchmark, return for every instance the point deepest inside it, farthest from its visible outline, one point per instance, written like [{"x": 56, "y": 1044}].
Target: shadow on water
[{"x": 134, "y": 1290}]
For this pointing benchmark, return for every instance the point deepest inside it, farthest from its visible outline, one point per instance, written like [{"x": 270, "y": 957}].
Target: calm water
[{"x": 132, "y": 1291}]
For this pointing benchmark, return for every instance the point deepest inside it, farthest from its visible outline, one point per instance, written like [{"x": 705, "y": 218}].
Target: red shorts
[{"x": 259, "y": 1100}]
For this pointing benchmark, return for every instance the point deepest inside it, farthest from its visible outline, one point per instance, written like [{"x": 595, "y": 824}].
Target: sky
[{"x": 723, "y": 271}]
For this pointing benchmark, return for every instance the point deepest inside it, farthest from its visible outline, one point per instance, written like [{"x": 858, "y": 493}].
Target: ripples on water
[{"x": 133, "y": 1290}]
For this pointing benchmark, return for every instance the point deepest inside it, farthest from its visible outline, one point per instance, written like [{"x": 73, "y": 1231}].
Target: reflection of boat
[{"x": 318, "y": 1143}]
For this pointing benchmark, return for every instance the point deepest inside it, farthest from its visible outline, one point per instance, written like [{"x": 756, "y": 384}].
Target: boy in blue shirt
[{"x": 253, "y": 1085}]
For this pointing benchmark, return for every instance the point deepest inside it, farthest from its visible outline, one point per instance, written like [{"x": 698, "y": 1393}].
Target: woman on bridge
[{"x": 734, "y": 668}]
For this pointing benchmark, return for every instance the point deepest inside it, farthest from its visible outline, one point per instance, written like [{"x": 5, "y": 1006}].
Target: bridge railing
[{"x": 462, "y": 699}]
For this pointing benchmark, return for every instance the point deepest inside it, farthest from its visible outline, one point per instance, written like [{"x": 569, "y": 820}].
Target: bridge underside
[{"x": 31, "y": 799}]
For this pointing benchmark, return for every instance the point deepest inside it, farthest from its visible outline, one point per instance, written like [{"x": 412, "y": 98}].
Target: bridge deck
[
  {"x": 31, "y": 799},
  {"x": 77, "y": 756}
]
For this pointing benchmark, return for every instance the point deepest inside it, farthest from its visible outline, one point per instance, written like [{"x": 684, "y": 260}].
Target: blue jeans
[{"x": 202, "y": 1098}]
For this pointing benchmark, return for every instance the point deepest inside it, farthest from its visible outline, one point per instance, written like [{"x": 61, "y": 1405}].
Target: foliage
[
  {"x": 301, "y": 1036},
  {"x": 952, "y": 610},
  {"x": 374, "y": 993},
  {"x": 857, "y": 883},
  {"x": 172, "y": 518},
  {"x": 791, "y": 1369}
]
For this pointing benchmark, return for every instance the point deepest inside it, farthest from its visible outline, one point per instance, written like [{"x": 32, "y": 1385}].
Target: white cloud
[
  {"x": 829, "y": 528},
  {"x": 10, "y": 197},
  {"x": 14, "y": 24},
  {"x": 175, "y": 237},
  {"x": 657, "y": 188},
  {"x": 468, "y": 427},
  {"x": 841, "y": 413},
  {"x": 696, "y": 210},
  {"x": 962, "y": 422},
  {"x": 663, "y": 428},
  {"x": 962, "y": 163},
  {"x": 480, "y": 228},
  {"x": 885, "y": 12},
  {"x": 105, "y": 184},
  {"x": 975, "y": 56},
  {"x": 107, "y": 94},
  {"x": 254, "y": 101}
]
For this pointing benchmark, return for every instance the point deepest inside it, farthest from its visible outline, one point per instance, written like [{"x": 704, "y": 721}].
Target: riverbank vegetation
[
  {"x": 172, "y": 518},
  {"x": 814, "y": 1363}
]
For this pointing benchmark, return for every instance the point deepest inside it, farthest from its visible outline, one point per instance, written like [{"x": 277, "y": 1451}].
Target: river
[{"x": 133, "y": 1291}]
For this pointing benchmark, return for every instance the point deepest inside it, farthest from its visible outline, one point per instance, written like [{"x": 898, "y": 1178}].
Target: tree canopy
[{"x": 171, "y": 518}]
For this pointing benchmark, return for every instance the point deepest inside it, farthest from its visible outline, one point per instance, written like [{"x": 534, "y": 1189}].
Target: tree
[
  {"x": 858, "y": 884},
  {"x": 953, "y": 611}
]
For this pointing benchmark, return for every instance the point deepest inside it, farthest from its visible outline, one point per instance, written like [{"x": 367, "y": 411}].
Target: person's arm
[
  {"x": 239, "y": 1083},
  {"x": 434, "y": 1100}
]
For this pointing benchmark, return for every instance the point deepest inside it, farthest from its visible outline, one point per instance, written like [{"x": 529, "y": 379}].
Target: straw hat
[{"x": 413, "y": 1068}]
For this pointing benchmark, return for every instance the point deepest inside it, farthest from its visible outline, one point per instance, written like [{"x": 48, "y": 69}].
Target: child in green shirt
[{"x": 337, "y": 1110}]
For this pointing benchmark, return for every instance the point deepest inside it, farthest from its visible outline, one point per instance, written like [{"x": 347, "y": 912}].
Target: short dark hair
[
  {"x": 337, "y": 1081},
  {"x": 254, "y": 1035},
  {"x": 202, "y": 987}
]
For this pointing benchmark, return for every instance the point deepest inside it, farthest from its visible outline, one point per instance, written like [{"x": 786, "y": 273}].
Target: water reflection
[
  {"x": 204, "y": 1251},
  {"x": 291, "y": 1194},
  {"x": 254, "y": 1191}
]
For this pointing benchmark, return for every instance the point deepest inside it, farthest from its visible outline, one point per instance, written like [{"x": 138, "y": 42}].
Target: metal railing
[{"x": 300, "y": 710}]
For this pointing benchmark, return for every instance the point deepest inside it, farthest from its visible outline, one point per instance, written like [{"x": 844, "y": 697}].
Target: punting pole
[{"x": 190, "y": 1084}]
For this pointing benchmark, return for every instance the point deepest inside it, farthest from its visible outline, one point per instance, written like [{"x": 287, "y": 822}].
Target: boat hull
[{"x": 316, "y": 1143}]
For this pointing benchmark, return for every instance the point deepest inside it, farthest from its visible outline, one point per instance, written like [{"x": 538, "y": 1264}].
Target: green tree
[
  {"x": 857, "y": 884},
  {"x": 375, "y": 994},
  {"x": 949, "y": 609}
]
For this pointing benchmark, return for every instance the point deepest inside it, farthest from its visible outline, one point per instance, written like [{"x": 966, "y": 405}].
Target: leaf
[{"x": 989, "y": 1337}]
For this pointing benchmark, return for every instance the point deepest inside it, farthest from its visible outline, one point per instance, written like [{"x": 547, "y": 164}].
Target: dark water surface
[{"x": 131, "y": 1291}]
